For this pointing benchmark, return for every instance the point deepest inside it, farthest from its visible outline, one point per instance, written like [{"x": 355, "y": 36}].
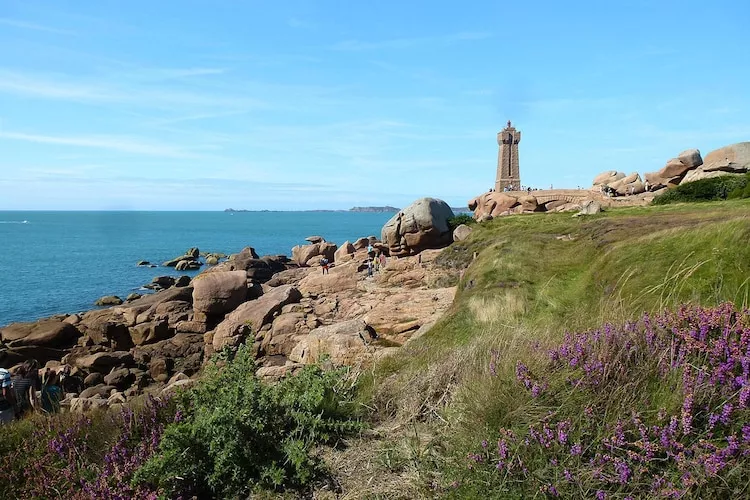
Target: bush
[
  {"x": 715, "y": 188},
  {"x": 741, "y": 192},
  {"x": 236, "y": 433},
  {"x": 457, "y": 220}
]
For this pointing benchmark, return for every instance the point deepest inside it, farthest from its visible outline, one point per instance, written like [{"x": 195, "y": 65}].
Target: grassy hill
[{"x": 530, "y": 280}]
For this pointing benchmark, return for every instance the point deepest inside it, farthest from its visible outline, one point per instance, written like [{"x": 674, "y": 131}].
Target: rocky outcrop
[
  {"x": 153, "y": 343},
  {"x": 344, "y": 252},
  {"x": 304, "y": 255},
  {"x": 252, "y": 315},
  {"x": 607, "y": 178},
  {"x": 675, "y": 170},
  {"x": 108, "y": 300},
  {"x": 729, "y": 160},
  {"x": 219, "y": 292},
  {"x": 188, "y": 261},
  {"x": 344, "y": 343},
  {"x": 495, "y": 204},
  {"x": 421, "y": 225},
  {"x": 45, "y": 332}
]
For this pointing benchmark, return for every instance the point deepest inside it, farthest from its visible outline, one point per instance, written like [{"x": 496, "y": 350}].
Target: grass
[{"x": 532, "y": 278}]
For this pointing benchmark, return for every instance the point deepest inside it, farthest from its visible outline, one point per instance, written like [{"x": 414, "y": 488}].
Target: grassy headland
[{"x": 531, "y": 279}]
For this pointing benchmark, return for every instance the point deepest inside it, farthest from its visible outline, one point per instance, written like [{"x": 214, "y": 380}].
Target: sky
[{"x": 205, "y": 105}]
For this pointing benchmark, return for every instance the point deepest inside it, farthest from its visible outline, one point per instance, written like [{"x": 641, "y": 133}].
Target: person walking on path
[
  {"x": 324, "y": 265},
  {"x": 7, "y": 398},
  {"x": 369, "y": 268}
]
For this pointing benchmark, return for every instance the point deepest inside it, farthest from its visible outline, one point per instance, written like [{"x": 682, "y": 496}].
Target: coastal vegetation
[
  {"x": 485, "y": 398},
  {"x": 712, "y": 189},
  {"x": 604, "y": 356},
  {"x": 459, "y": 219}
]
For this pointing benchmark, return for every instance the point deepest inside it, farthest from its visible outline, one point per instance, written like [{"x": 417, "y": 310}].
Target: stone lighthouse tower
[{"x": 508, "y": 174}]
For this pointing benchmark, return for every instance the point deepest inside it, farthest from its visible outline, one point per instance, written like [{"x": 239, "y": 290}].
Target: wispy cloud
[
  {"x": 17, "y": 23},
  {"x": 100, "y": 90},
  {"x": 405, "y": 43},
  {"x": 121, "y": 144}
]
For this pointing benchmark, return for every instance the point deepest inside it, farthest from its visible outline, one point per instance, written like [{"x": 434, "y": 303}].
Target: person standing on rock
[
  {"x": 382, "y": 260},
  {"x": 7, "y": 398},
  {"x": 324, "y": 265},
  {"x": 369, "y": 268}
]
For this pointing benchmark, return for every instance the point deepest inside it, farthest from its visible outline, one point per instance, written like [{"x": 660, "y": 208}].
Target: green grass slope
[{"x": 530, "y": 279}]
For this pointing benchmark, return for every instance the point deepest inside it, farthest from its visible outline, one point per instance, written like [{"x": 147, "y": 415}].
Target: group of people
[
  {"x": 511, "y": 187},
  {"x": 25, "y": 391},
  {"x": 375, "y": 261}
]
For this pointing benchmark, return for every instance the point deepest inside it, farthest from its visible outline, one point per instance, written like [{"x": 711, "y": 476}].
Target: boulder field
[
  {"x": 688, "y": 166},
  {"x": 291, "y": 312}
]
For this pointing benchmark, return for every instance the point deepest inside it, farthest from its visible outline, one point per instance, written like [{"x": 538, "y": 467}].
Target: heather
[
  {"x": 230, "y": 435},
  {"x": 82, "y": 456},
  {"x": 653, "y": 408}
]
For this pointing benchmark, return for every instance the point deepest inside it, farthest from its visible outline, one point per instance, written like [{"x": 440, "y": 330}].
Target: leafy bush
[
  {"x": 657, "y": 408},
  {"x": 457, "y": 220},
  {"x": 715, "y": 188},
  {"x": 236, "y": 433},
  {"x": 741, "y": 192}
]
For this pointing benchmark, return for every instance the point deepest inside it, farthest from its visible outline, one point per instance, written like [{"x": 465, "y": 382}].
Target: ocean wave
[{"x": 14, "y": 222}]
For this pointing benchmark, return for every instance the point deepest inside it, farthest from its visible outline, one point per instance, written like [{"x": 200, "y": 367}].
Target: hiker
[
  {"x": 24, "y": 387},
  {"x": 324, "y": 265},
  {"x": 382, "y": 260},
  {"x": 51, "y": 392},
  {"x": 376, "y": 262},
  {"x": 369, "y": 268},
  {"x": 7, "y": 398}
]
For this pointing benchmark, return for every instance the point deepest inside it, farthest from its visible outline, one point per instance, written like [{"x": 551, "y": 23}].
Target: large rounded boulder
[
  {"x": 421, "y": 225},
  {"x": 219, "y": 293}
]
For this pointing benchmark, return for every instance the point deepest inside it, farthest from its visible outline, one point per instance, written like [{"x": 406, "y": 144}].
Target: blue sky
[{"x": 198, "y": 105}]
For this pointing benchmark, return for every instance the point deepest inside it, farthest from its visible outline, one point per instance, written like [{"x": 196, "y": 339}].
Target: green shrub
[
  {"x": 235, "y": 433},
  {"x": 740, "y": 192},
  {"x": 715, "y": 188},
  {"x": 457, "y": 220}
]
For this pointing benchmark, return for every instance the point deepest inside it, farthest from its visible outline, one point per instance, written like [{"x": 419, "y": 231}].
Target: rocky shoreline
[{"x": 293, "y": 313}]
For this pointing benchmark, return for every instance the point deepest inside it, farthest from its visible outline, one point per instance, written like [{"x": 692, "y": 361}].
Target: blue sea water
[{"x": 61, "y": 262}]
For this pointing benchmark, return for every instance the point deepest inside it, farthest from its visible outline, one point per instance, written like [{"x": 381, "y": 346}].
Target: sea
[{"x": 61, "y": 262}]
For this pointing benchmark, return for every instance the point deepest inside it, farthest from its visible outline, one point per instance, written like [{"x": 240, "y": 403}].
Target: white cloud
[{"x": 120, "y": 144}]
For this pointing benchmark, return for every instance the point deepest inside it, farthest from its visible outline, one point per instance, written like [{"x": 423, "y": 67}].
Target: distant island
[
  {"x": 353, "y": 209},
  {"x": 374, "y": 209}
]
